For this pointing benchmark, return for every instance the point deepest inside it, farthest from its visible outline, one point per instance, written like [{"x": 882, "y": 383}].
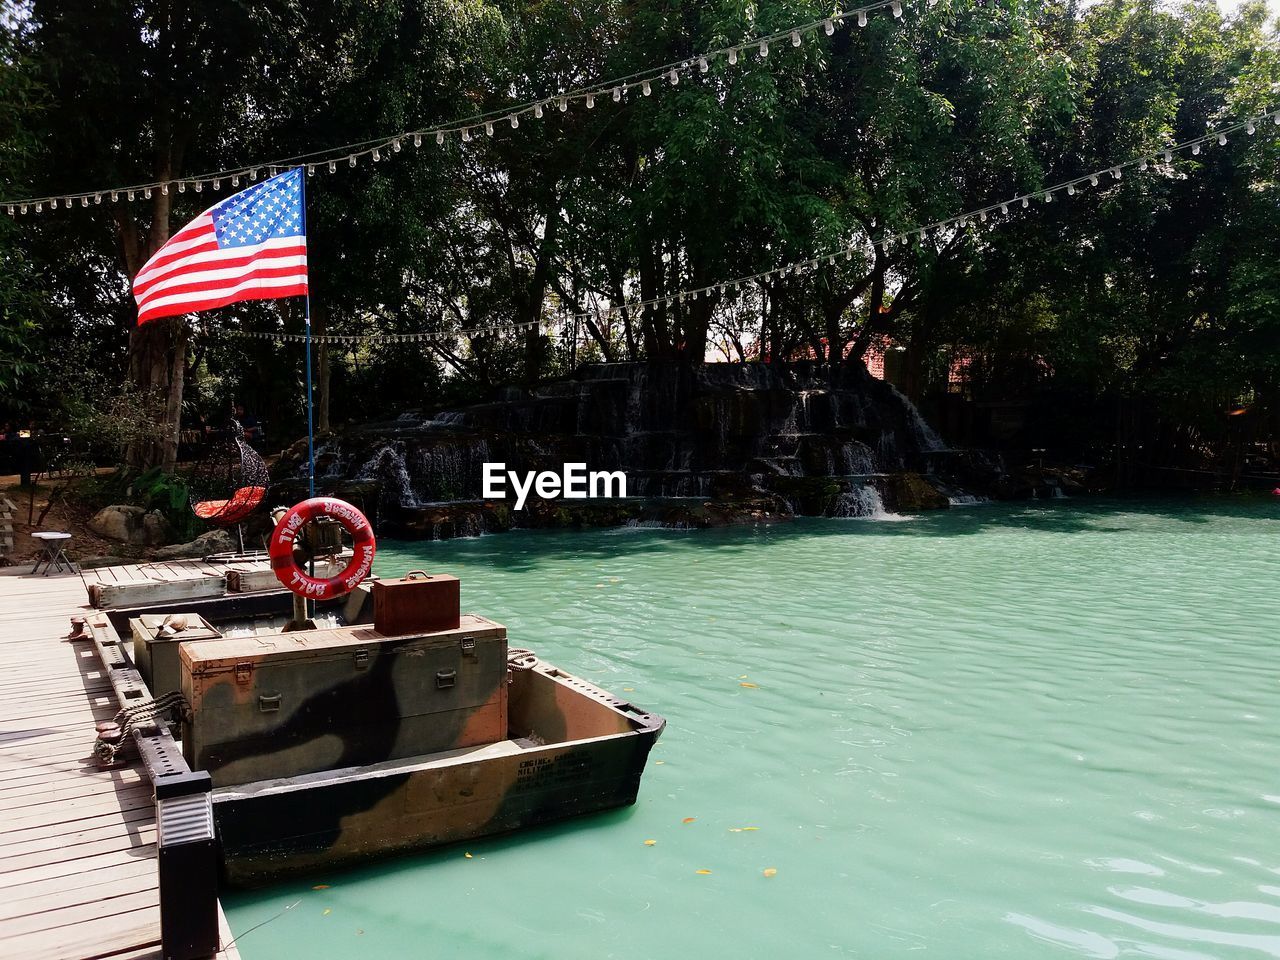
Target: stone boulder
[
  {"x": 128, "y": 524},
  {"x": 911, "y": 493},
  {"x": 215, "y": 541}
]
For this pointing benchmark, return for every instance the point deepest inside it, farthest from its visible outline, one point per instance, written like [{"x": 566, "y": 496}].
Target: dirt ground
[{"x": 62, "y": 517}]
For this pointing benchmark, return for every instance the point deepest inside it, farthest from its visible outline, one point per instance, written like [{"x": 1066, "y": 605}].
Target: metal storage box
[
  {"x": 281, "y": 706},
  {"x": 417, "y": 603},
  {"x": 155, "y": 650}
]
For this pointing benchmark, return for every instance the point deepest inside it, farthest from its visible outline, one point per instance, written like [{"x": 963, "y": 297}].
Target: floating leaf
[
  {"x": 688, "y": 819},
  {"x": 770, "y": 871},
  {"x": 359, "y": 933},
  {"x": 750, "y": 828},
  {"x": 650, "y": 843},
  {"x": 735, "y": 829},
  {"x": 743, "y": 677},
  {"x": 703, "y": 873},
  {"x": 628, "y": 689},
  {"x": 659, "y": 762},
  {"x": 468, "y": 856},
  {"x": 751, "y": 686},
  {"x": 327, "y": 911},
  {"x": 321, "y": 886}
]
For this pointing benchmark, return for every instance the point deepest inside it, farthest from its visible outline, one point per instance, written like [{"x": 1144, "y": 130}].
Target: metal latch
[
  {"x": 446, "y": 679},
  {"x": 269, "y": 703},
  {"x": 244, "y": 672},
  {"x": 468, "y": 646},
  {"x": 361, "y": 659}
]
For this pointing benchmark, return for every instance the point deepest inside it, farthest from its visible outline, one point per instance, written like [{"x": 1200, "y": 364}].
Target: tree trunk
[{"x": 157, "y": 362}]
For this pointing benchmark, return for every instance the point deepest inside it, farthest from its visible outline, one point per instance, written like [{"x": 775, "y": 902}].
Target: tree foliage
[{"x": 1161, "y": 288}]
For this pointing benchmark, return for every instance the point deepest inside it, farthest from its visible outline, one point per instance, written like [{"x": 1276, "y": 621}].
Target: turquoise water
[{"x": 1024, "y": 731}]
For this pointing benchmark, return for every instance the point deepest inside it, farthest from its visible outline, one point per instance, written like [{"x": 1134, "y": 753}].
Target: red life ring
[{"x": 287, "y": 569}]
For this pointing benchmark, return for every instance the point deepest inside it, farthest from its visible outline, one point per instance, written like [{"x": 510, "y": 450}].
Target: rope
[
  {"x": 521, "y": 659},
  {"x": 136, "y": 716}
]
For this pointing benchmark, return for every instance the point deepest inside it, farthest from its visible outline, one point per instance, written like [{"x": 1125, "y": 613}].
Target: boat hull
[{"x": 574, "y": 750}]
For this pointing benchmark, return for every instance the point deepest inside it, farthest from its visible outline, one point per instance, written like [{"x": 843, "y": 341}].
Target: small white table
[{"x": 54, "y": 556}]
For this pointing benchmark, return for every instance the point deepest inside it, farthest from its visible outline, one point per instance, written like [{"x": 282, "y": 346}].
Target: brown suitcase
[
  {"x": 416, "y": 603},
  {"x": 265, "y": 707}
]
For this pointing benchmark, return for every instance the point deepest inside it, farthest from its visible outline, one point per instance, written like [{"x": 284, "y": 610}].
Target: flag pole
[
  {"x": 311, "y": 438},
  {"x": 308, "y": 605}
]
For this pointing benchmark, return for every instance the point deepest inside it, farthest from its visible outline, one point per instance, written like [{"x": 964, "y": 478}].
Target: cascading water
[
  {"x": 747, "y": 439},
  {"x": 387, "y": 467},
  {"x": 861, "y": 501}
]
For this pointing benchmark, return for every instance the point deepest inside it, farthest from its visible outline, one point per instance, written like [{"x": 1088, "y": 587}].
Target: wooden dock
[{"x": 78, "y": 867}]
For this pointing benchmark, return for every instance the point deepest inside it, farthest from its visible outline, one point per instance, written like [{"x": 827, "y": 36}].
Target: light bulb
[
  {"x": 982, "y": 215},
  {"x": 182, "y": 187},
  {"x": 1250, "y": 128},
  {"x": 896, "y": 7},
  {"x": 395, "y": 145},
  {"x": 11, "y": 209},
  {"x": 764, "y": 48},
  {"x": 97, "y": 198},
  {"x": 439, "y": 138},
  {"x": 1071, "y": 189},
  {"x": 514, "y": 121},
  {"x": 1195, "y": 150},
  {"x": 488, "y": 128},
  {"x": 377, "y": 155},
  {"x": 564, "y": 104},
  {"x": 674, "y": 76},
  {"x": 1276, "y": 117},
  {"x": 645, "y": 88},
  {"x": 466, "y": 134},
  {"x": 253, "y": 174},
  {"x": 1222, "y": 139},
  {"x": 1004, "y": 208},
  {"x": 591, "y": 101},
  {"x": 862, "y": 18},
  {"x": 333, "y": 166},
  {"x": 417, "y": 140},
  {"x": 164, "y": 189},
  {"x": 351, "y": 161},
  {"x": 115, "y": 198},
  {"x": 1142, "y": 164},
  {"x": 1026, "y": 202},
  {"x": 235, "y": 181},
  {"x": 1093, "y": 179},
  {"x": 217, "y": 184},
  {"x": 131, "y": 195},
  {"x": 1168, "y": 156},
  {"x": 53, "y": 204},
  {"x": 84, "y": 201},
  {"x": 733, "y": 58},
  {"x": 1115, "y": 173},
  {"x": 703, "y": 66},
  {"x": 795, "y": 38},
  {"x": 1048, "y": 197},
  {"x": 39, "y": 207},
  {"x": 199, "y": 187},
  {"x": 617, "y": 94},
  {"x": 828, "y": 27},
  {"x": 537, "y": 110}
]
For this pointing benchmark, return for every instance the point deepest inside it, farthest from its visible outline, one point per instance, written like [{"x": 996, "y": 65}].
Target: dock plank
[{"x": 77, "y": 844}]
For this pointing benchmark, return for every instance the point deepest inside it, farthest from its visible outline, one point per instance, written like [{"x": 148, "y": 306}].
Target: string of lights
[
  {"x": 347, "y": 340},
  {"x": 347, "y": 156},
  {"x": 1159, "y": 159}
]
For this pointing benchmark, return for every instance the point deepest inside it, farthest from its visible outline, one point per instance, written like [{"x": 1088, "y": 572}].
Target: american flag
[{"x": 251, "y": 246}]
